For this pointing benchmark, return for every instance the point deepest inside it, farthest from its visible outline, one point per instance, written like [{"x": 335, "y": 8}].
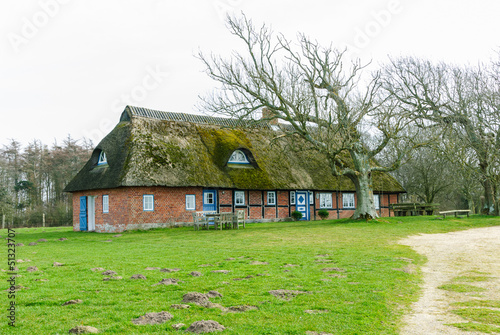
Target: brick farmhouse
[{"x": 155, "y": 168}]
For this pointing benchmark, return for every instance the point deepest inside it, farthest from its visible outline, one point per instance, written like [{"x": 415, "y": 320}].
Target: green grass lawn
[{"x": 372, "y": 286}]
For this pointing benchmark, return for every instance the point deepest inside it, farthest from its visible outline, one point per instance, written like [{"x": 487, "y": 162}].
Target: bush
[
  {"x": 296, "y": 215},
  {"x": 323, "y": 214}
]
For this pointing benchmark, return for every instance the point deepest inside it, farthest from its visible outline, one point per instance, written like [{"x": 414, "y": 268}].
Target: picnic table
[
  {"x": 227, "y": 220},
  {"x": 413, "y": 209}
]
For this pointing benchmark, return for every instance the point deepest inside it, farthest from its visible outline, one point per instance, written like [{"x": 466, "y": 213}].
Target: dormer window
[
  {"x": 238, "y": 157},
  {"x": 102, "y": 159}
]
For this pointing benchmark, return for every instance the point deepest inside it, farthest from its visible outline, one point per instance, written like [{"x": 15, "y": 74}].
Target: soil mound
[
  {"x": 179, "y": 306},
  {"x": 84, "y": 330},
  {"x": 333, "y": 269},
  {"x": 213, "y": 294},
  {"x": 287, "y": 294},
  {"x": 205, "y": 326},
  {"x": 108, "y": 273},
  {"x": 242, "y": 308},
  {"x": 167, "y": 281},
  {"x": 73, "y": 302},
  {"x": 153, "y": 318},
  {"x": 195, "y": 298}
]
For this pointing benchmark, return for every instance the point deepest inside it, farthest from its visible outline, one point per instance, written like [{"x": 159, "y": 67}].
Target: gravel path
[{"x": 451, "y": 255}]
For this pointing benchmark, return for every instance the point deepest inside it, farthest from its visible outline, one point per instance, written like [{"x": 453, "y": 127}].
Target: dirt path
[{"x": 470, "y": 253}]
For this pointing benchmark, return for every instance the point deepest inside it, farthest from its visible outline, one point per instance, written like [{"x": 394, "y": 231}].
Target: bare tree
[
  {"x": 462, "y": 100},
  {"x": 323, "y": 98}
]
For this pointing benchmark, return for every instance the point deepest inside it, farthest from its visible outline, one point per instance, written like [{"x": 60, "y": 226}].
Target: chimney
[{"x": 268, "y": 115}]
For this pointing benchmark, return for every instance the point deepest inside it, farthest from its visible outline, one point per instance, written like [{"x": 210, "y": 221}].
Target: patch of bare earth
[
  {"x": 153, "y": 318},
  {"x": 205, "y": 326},
  {"x": 449, "y": 256},
  {"x": 286, "y": 294}
]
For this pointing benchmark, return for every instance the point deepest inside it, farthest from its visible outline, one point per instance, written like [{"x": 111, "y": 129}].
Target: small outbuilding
[{"x": 155, "y": 168}]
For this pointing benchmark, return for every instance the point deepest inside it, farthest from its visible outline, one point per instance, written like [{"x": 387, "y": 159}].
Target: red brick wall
[
  {"x": 169, "y": 204},
  {"x": 270, "y": 212},
  {"x": 225, "y": 197},
  {"x": 126, "y": 206},
  {"x": 255, "y": 198},
  {"x": 118, "y": 213}
]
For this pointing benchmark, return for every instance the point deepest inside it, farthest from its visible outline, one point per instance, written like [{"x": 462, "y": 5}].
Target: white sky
[{"x": 71, "y": 66}]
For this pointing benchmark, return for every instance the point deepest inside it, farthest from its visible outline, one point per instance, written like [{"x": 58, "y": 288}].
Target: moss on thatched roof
[{"x": 151, "y": 148}]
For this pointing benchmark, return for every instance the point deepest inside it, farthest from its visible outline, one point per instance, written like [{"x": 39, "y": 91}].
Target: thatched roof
[{"x": 153, "y": 148}]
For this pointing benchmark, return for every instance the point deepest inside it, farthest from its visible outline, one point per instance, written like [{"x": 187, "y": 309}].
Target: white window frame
[
  {"x": 206, "y": 197},
  {"x": 105, "y": 203},
  {"x": 325, "y": 200},
  {"x": 376, "y": 201},
  {"x": 311, "y": 198},
  {"x": 102, "y": 158},
  {"x": 239, "y": 198},
  {"x": 238, "y": 157},
  {"x": 292, "y": 197},
  {"x": 148, "y": 205},
  {"x": 348, "y": 200},
  {"x": 271, "y": 195},
  {"x": 190, "y": 202}
]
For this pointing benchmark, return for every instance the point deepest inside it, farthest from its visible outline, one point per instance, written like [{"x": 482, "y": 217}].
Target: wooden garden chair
[
  {"x": 199, "y": 219},
  {"x": 226, "y": 220},
  {"x": 239, "y": 218}
]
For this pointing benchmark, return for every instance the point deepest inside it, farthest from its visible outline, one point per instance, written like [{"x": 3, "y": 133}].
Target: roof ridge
[{"x": 193, "y": 118}]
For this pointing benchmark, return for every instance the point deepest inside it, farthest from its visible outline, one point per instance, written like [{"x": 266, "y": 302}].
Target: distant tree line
[{"x": 32, "y": 179}]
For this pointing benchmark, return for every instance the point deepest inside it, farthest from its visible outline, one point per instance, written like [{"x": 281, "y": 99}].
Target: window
[
  {"x": 292, "y": 198},
  {"x": 311, "y": 198},
  {"x": 271, "y": 198},
  {"x": 190, "y": 202},
  {"x": 348, "y": 200},
  {"x": 376, "y": 201},
  {"x": 209, "y": 198},
  {"x": 238, "y": 157},
  {"x": 148, "y": 202},
  {"x": 102, "y": 159},
  {"x": 239, "y": 198},
  {"x": 325, "y": 200},
  {"x": 105, "y": 203}
]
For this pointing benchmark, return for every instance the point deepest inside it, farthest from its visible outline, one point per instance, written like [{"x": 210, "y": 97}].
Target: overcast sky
[{"x": 71, "y": 66}]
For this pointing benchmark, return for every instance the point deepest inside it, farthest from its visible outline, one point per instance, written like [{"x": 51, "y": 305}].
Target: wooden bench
[{"x": 455, "y": 212}]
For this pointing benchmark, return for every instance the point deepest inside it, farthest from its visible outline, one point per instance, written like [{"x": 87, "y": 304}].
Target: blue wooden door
[
  {"x": 302, "y": 204},
  {"x": 210, "y": 200},
  {"x": 83, "y": 213}
]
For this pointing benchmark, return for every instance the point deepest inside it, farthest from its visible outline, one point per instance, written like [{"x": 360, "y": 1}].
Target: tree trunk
[
  {"x": 362, "y": 179},
  {"x": 489, "y": 198},
  {"x": 489, "y": 191}
]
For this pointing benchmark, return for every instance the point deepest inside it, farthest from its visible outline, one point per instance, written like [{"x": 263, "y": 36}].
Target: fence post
[{"x": 43, "y": 220}]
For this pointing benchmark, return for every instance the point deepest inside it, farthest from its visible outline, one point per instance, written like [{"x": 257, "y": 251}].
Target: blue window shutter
[{"x": 83, "y": 213}]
